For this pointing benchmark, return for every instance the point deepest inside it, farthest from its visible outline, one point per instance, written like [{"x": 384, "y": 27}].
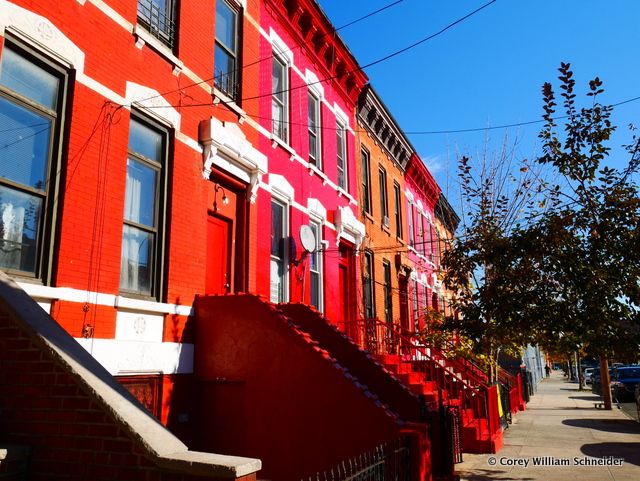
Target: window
[
  {"x": 31, "y": 119},
  {"x": 388, "y": 304},
  {"x": 416, "y": 306},
  {"x": 384, "y": 204},
  {"x": 141, "y": 264},
  {"x": 366, "y": 181},
  {"x": 279, "y": 233},
  {"x": 158, "y": 17},
  {"x": 367, "y": 286},
  {"x": 398, "y": 208},
  {"x": 315, "y": 147},
  {"x": 435, "y": 302},
  {"x": 315, "y": 268},
  {"x": 341, "y": 147},
  {"x": 226, "y": 71},
  {"x": 280, "y": 98},
  {"x": 412, "y": 232},
  {"x": 425, "y": 231}
]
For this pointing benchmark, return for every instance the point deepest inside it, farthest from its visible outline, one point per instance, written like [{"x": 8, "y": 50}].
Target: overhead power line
[
  {"x": 406, "y": 132},
  {"x": 380, "y": 60},
  {"x": 504, "y": 126},
  {"x": 269, "y": 57}
]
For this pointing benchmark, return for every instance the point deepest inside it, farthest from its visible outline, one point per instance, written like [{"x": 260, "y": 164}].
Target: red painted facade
[{"x": 172, "y": 175}]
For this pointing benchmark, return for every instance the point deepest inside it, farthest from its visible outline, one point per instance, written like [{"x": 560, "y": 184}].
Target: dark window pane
[
  {"x": 277, "y": 214},
  {"x": 315, "y": 290},
  {"x": 225, "y": 71},
  {"x": 140, "y": 194},
  {"x": 145, "y": 141},
  {"x": 28, "y": 79},
  {"x": 226, "y": 25},
  {"x": 137, "y": 254},
  {"x": 24, "y": 145},
  {"x": 276, "y": 76},
  {"x": 19, "y": 226}
]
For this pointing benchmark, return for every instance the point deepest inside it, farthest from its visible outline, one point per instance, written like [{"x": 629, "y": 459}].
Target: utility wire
[
  {"x": 380, "y": 60},
  {"x": 407, "y": 132},
  {"x": 269, "y": 57},
  {"x": 505, "y": 126}
]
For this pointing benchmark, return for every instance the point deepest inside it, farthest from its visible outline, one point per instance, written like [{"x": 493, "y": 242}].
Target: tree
[
  {"x": 553, "y": 263},
  {"x": 592, "y": 230},
  {"x": 485, "y": 265}
]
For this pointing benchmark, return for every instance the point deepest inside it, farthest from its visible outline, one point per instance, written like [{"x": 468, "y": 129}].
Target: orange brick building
[{"x": 384, "y": 153}]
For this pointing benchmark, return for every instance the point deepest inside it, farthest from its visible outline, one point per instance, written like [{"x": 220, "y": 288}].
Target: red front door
[{"x": 218, "y": 280}]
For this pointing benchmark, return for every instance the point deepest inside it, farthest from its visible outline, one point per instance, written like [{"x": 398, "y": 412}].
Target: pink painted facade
[
  {"x": 422, "y": 194},
  {"x": 308, "y": 185}
]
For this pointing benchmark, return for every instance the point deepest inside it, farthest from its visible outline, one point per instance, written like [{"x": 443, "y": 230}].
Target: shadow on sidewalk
[
  {"x": 625, "y": 426},
  {"x": 630, "y": 452},
  {"x": 592, "y": 398},
  {"x": 490, "y": 475}
]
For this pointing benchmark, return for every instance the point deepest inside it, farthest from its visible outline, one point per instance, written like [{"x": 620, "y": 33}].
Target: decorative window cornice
[{"x": 227, "y": 148}]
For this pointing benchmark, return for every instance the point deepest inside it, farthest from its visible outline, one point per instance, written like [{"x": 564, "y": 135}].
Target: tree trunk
[
  {"x": 604, "y": 377},
  {"x": 580, "y": 375}
]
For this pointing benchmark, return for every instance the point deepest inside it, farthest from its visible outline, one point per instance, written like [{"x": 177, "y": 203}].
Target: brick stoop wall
[{"x": 74, "y": 419}]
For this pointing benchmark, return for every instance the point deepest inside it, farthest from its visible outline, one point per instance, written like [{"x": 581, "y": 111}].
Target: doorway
[{"x": 219, "y": 277}]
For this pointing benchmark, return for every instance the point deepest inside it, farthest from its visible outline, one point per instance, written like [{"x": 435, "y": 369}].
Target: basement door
[{"x": 219, "y": 238}]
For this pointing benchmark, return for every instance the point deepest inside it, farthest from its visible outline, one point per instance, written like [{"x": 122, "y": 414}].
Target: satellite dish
[{"x": 307, "y": 238}]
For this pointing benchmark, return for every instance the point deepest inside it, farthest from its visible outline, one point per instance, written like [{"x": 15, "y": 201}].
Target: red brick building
[{"x": 178, "y": 184}]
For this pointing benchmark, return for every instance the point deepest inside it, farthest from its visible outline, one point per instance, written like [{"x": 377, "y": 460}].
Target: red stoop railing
[{"x": 456, "y": 383}]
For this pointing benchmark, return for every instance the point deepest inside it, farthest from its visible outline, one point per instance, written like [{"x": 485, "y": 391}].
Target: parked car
[
  {"x": 588, "y": 372},
  {"x": 638, "y": 401},
  {"x": 624, "y": 383},
  {"x": 596, "y": 387}
]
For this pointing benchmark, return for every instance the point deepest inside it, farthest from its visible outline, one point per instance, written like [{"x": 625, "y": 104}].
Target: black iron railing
[
  {"x": 227, "y": 83},
  {"x": 386, "y": 462},
  {"x": 158, "y": 17}
]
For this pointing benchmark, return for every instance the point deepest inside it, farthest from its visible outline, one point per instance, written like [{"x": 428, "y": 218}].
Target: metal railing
[
  {"x": 158, "y": 21},
  {"x": 227, "y": 83},
  {"x": 382, "y": 338},
  {"x": 386, "y": 462}
]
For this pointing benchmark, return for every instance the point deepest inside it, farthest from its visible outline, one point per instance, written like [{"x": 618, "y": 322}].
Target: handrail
[
  {"x": 408, "y": 343},
  {"x": 506, "y": 377},
  {"x": 470, "y": 362},
  {"x": 473, "y": 369}
]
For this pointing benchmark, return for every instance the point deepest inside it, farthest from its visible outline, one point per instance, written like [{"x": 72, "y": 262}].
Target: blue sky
[{"x": 489, "y": 69}]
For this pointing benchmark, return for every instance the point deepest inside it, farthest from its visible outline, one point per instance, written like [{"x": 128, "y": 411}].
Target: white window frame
[
  {"x": 341, "y": 155},
  {"x": 316, "y": 133},
  {"x": 281, "y": 132},
  {"x": 283, "y": 280}
]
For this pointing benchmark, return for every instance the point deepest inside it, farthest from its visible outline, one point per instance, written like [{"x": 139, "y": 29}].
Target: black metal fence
[
  {"x": 386, "y": 462},
  {"x": 505, "y": 402}
]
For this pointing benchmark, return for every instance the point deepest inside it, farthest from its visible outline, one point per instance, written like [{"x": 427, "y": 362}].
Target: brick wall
[{"x": 77, "y": 421}]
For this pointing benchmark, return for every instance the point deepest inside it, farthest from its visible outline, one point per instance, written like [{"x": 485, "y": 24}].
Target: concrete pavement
[{"x": 562, "y": 436}]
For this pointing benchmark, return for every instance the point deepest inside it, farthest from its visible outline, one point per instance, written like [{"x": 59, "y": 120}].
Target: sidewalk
[{"x": 561, "y": 431}]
